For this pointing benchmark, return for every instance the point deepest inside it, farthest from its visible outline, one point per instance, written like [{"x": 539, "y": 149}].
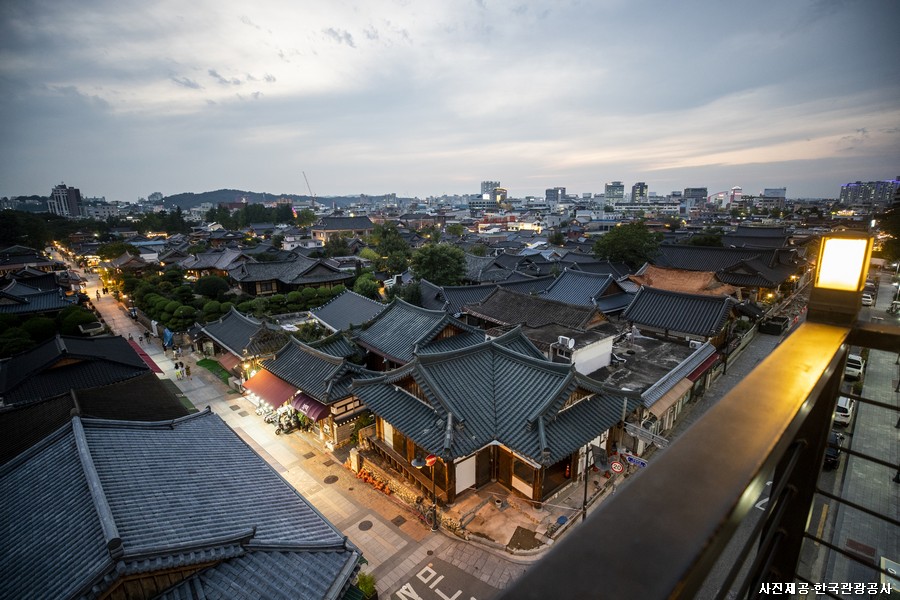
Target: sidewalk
[{"x": 391, "y": 538}]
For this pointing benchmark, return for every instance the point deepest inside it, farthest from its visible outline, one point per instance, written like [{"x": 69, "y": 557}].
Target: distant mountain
[{"x": 190, "y": 200}]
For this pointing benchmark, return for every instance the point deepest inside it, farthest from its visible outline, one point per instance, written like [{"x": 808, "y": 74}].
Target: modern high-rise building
[
  {"x": 615, "y": 192},
  {"x": 697, "y": 194},
  {"x": 555, "y": 195},
  {"x": 639, "y": 192},
  {"x": 65, "y": 201},
  {"x": 487, "y": 187},
  {"x": 876, "y": 194}
]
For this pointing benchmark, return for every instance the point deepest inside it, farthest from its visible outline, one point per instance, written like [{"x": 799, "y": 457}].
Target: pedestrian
[
  {"x": 187, "y": 371},
  {"x": 141, "y": 339},
  {"x": 130, "y": 337}
]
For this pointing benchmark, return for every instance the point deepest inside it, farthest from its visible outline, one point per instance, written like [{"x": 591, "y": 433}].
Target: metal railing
[{"x": 665, "y": 532}]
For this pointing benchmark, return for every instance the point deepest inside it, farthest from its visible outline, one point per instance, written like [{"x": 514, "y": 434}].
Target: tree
[
  {"x": 441, "y": 264},
  {"x": 631, "y": 243},
  {"x": 211, "y": 286},
  {"x": 367, "y": 286},
  {"x": 306, "y": 217},
  {"x": 455, "y": 229},
  {"x": 556, "y": 238},
  {"x": 115, "y": 250},
  {"x": 336, "y": 246}
]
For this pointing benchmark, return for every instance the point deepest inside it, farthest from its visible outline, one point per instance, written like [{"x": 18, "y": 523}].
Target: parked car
[
  {"x": 843, "y": 412},
  {"x": 833, "y": 451},
  {"x": 853, "y": 369},
  {"x": 867, "y": 300}
]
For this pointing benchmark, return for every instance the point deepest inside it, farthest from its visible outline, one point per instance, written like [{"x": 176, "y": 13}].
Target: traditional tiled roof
[
  {"x": 454, "y": 298},
  {"x": 398, "y": 330},
  {"x": 237, "y": 332},
  {"x": 505, "y": 307},
  {"x": 346, "y": 309},
  {"x": 344, "y": 224},
  {"x": 40, "y": 280},
  {"x": 323, "y": 376},
  {"x": 143, "y": 398},
  {"x": 64, "y": 363},
  {"x": 691, "y": 314},
  {"x": 489, "y": 393},
  {"x": 21, "y": 299},
  {"x": 284, "y": 271},
  {"x": 587, "y": 289},
  {"x": 337, "y": 344},
  {"x": 98, "y": 501},
  {"x": 744, "y": 267},
  {"x": 476, "y": 266},
  {"x": 219, "y": 260},
  {"x": 680, "y": 280}
]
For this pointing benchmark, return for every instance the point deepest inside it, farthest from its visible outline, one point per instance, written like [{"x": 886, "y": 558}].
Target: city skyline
[{"x": 428, "y": 99}]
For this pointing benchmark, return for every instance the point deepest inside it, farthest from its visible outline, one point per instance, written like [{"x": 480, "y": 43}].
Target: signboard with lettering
[{"x": 634, "y": 460}]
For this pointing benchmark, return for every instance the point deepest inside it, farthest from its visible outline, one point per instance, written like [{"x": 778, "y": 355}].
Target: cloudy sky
[{"x": 421, "y": 97}]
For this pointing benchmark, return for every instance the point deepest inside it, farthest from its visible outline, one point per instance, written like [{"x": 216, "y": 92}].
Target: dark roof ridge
[
  {"x": 664, "y": 292},
  {"x": 98, "y": 496},
  {"x": 404, "y": 303},
  {"x": 95, "y": 423},
  {"x": 299, "y": 345},
  {"x": 286, "y": 546},
  {"x": 239, "y": 537}
]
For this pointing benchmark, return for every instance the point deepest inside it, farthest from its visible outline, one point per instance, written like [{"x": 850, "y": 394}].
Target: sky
[{"x": 423, "y": 98}]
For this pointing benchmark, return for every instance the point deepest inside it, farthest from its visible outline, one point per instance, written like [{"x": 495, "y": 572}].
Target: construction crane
[{"x": 310, "y": 191}]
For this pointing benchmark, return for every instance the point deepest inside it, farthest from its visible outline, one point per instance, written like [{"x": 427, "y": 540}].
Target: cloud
[
  {"x": 223, "y": 80},
  {"x": 188, "y": 83},
  {"x": 340, "y": 36}
]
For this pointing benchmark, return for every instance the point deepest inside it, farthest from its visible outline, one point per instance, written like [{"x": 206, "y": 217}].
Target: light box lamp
[{"x": 840, "y": 278}]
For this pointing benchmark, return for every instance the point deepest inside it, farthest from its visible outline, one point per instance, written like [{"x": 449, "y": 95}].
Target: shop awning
[
  {"x": 228, "y": 360},
  {"x": 310, "y": 407},
  {"x": 660, "y": 407},
  {"x": 145, "y": 357},
  {"x": 272, "y": 389},
  {"x": 704, "y": 367}
]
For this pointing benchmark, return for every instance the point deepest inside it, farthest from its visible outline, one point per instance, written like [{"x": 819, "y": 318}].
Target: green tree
[
  {"x": 631, "y": 243},
  {"x": 336, "y": 246},
  {"x": 706, "y": 239},
  {"x": 556, "y": 238},
  {"x": 115, "y": 250},
  {"x": 441, "y": 264},
  {"x": 366, "y": 286},
  {"x": 455, "y": 229},
  {"x": 306, "y": 217},
  {"x": 211, "y": 286}
]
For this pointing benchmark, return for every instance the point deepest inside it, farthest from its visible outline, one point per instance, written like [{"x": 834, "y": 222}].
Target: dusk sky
[{"x": 122, "y": 99}]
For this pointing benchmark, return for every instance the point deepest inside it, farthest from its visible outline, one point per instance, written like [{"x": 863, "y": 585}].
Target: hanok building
[
  {"x": 346, "y": 310},
  {"x": 331, "y": 227},
  {"x": 762, "y": 273},
  {"x": 453, "y": 298},
  {"x": 239, "y": 342},
  {"x": 269, "y": 278},
  {"x": 65, "y": 363},
  {"x": 24, "y": 300},
  {"x": 685, "y": 317},
  {"x": 16, "y": 258},
  {"x": 214, "y": 262},
  {"x": 682, "y": 280},
  {"x": 316, "y": 384},
  {"x": 168, "y": 509},
  {"x": 401, "y": 330},
  {"x": 589, "y": 289},
  {"x": 497, "y": 411}
]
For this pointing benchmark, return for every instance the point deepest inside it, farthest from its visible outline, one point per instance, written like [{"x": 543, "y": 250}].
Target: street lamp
[{"x": 429, "y": 461}]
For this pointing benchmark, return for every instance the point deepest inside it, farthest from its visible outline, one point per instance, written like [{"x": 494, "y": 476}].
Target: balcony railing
[{"x": 665, "y": 533}]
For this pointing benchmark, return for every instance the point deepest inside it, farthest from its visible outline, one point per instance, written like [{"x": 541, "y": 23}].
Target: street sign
[
  {"x": 616, "y": 466},
  {"x": 638, "y": 462}
]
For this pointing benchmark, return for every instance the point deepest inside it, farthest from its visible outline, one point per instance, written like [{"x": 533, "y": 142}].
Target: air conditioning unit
[
  {"x": 695, "y": 344},
  {"x": 565, "y": 342}
]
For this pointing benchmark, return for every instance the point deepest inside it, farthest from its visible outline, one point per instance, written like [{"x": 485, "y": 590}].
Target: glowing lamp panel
[{"x": 841, "y": 264}]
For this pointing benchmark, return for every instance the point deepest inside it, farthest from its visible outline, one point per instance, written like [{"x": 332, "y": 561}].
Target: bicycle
[{"x": 425, "y": 513}]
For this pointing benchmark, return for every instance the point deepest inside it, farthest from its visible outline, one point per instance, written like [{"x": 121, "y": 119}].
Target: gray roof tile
[
  {"x": 693, "y": 314},
  {"x": 347, "y": 309},
  {"x": 164, "y": 496},
  {"x": 237, "y": 332}
]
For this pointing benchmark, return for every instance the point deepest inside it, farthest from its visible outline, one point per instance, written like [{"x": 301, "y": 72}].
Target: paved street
[{"x": 396, "y": 545}]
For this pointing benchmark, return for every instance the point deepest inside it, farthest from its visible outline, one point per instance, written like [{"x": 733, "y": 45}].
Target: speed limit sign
[{"x": 616, "y": 466}]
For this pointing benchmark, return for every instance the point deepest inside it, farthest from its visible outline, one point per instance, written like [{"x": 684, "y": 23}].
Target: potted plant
[{"x": 366, "y": 584}]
